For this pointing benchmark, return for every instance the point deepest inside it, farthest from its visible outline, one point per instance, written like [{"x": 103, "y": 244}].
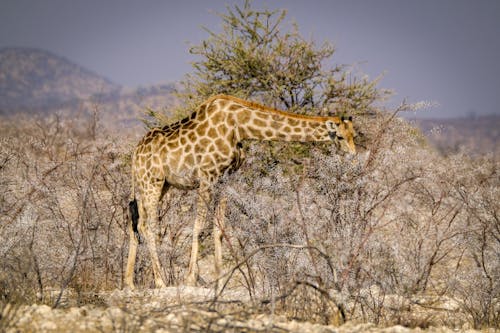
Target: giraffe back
[{"x": 194, "y": 149}]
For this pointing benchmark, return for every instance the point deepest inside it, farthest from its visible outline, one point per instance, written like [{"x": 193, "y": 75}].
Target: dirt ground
[{"x": 175, "y": 309}]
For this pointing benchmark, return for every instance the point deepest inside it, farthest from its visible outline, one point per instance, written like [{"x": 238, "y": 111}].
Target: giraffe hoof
[
  {"x": 190, "y": 281},
  {"x": 159, "y": 284},
  {"x": 129, "y": 288}
]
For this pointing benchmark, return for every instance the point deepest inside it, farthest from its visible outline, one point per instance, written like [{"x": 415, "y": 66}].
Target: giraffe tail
[
  {"x": 134, "y": 210},
  {"x": 134, "y": 216}
]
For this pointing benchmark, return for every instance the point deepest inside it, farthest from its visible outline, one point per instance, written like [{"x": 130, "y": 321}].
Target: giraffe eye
[{"x": 340, "y": 138}]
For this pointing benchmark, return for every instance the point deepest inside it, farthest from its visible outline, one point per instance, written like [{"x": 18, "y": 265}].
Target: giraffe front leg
[
  {"x": 201, "y": 216},
  {"x": 219, "y": 223},
  {"x": 151, "y": 242}
]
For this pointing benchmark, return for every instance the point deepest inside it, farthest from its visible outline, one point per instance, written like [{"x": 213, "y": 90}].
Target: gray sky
[{"x": 447, "y": 51}]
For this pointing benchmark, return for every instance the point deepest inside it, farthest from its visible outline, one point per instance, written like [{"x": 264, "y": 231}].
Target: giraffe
[{"x": 194, "y": 152}]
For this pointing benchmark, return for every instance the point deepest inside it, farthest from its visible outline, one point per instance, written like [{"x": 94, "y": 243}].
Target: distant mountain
[
  {"x": 475, "y": 135},
  {"x": 36, "y": 80}
]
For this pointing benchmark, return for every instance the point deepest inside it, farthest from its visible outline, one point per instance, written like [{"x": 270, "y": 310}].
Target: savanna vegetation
[{"x": 397, "y": 234}]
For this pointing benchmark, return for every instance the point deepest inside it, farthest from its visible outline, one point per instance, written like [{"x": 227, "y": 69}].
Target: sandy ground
[{"x": 175, "y": 309}]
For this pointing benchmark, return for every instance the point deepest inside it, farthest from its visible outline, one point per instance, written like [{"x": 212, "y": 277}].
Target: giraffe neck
[{"x": 260, "y": 123}]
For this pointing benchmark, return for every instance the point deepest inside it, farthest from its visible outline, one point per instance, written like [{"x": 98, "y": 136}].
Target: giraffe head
[{"x": 342, "y": 133}]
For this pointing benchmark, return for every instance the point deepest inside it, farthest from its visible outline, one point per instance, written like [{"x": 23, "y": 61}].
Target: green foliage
[
  {"x": 259, "y": 56},
  {"x": 153, "y": 118}
]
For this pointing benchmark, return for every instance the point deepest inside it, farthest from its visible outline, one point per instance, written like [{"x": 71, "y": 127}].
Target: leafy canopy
[{"x": 256, "y": 57}]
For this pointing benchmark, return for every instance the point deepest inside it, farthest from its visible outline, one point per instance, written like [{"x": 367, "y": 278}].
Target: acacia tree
[{"x": 256, "y": 56}]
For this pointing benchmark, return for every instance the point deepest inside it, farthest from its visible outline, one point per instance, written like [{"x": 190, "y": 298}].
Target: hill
[
  {"x": 37, "y": 82},
  {"x": 32, "y": 79},
  {"x": 476, "y": 135}
]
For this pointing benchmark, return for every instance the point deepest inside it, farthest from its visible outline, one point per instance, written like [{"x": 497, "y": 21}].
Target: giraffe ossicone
[{"x": 194, "y": 152}]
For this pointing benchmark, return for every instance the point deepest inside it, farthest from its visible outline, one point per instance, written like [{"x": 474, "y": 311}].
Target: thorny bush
[
  {"x": 394, "y": 231},
  {"x": 63, "y": 205}
]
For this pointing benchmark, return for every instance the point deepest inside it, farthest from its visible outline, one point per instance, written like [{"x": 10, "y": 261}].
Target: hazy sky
[{"x": 447, "y": 51}]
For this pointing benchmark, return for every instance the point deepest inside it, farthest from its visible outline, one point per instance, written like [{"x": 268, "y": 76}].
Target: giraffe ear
[{"x": 344, "y": 118}]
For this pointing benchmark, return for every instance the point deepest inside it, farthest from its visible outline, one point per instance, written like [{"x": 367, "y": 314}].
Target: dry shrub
[
  {"x": 395, "y": 234},
  {"x": 63, "y": 218},
  {"x": 397, "y": 229}
]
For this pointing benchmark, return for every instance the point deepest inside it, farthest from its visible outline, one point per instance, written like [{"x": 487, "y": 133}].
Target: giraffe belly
[
  {"x": 191, "y": 170},
  {"x": 186, "y": 179}
]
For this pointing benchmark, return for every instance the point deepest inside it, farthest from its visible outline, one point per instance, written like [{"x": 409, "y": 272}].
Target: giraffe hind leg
[{"x": 149, "y": 207}]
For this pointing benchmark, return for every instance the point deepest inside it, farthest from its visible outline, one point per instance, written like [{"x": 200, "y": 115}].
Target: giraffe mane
[{"x": 255, "y": 105}]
